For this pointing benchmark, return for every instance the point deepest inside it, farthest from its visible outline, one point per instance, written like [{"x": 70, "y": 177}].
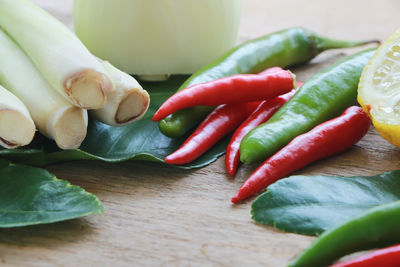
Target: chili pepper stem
[
  {"x": 322, "y": 43},
  {"x": 177, "y": 124}
]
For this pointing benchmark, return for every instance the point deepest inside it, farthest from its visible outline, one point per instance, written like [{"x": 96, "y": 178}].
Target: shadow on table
[{"x": 49, "y": 235}]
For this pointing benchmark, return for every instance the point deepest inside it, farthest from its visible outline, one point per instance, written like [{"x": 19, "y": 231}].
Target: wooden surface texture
[{"x": 157, "y": 215}]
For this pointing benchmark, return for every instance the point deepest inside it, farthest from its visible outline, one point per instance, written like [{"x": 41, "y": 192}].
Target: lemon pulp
[{"x": 379, "y": 89}]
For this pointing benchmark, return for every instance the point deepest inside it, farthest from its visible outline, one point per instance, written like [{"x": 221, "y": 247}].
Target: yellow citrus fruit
[{"x": 379, "y": 89}]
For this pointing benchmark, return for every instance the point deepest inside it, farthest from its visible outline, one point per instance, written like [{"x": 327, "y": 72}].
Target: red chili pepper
[
  {"x": 263, "y": 112},
  {"x": 223, "y": 120},
  {"x": 229, "y": 90},
  {"x": 386, "y": 257},
  {"x": 327, "y": 139}
]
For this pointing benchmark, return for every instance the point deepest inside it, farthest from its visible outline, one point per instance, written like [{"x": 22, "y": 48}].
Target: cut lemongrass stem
[
  {"x": 16, "y": 125},
  {"x": 85, "y": 89},
  {"x": 127, "y": 103},
  {"x": 58, "y": 54},
  {"x": 53, "y": 115},
  {"x": 68, "y": 127}
]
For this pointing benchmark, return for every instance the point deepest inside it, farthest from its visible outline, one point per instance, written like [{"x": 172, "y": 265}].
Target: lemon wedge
[{"x": 379, "y": 89}]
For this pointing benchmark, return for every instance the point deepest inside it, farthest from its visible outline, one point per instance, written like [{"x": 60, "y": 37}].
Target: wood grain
[{"x": 157, "y": 215}]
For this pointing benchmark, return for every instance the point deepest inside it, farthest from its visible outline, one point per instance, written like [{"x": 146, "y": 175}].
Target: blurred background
[{"x": 339, "y": 18}]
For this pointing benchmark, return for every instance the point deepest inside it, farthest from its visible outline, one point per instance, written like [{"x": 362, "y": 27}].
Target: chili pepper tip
[
  {"x": 243, "y": 194},
  {"x": 235, "y": 200},
  {"x": 231, "y": 172},
  {"x": 174, "y": 159}
]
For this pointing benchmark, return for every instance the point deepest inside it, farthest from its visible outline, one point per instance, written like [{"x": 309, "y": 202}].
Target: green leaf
[
  {"x": 311, "y": 204},
  {"x": 141, "y": 140},
  {"x": 31, "y": 196}
]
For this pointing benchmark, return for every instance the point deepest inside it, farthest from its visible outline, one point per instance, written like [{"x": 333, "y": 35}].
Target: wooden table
[{"x": 156, "y": 215}]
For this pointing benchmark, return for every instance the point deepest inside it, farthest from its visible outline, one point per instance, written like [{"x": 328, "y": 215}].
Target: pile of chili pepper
[
  {"x": 268, "y": 121},
  {"x": 261, "y": 114},
  {"x": 326, "y": 139},
  {"x": 274, "y": 121},
  {"x": 251, "y": 105},
  {"x": 323, "y": 97},
  {"x": 233, "y": 111}
]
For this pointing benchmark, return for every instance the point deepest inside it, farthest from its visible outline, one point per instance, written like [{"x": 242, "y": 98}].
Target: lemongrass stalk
[
  {"x": 53, "y": 115},
  {"x": 58, "y": 54},
  {"x": 16, "y": 125},
  {"x": 127, "y": 103}
]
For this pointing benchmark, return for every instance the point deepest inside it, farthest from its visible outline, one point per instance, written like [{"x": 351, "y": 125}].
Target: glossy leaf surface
[
  {"x": 30, "y": 196},
  {"x": 312, "y": 204}
]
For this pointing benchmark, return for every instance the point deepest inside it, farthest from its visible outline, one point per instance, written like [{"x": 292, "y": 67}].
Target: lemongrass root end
[
  {"x": 133, "y": 107},
  {"x": 15, "y": 129},
  {"x": 87, "y": 89},
  {"x": 70, "y": 128}
]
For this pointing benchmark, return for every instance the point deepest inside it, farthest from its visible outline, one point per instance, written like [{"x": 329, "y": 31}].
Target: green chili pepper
[
  {"x": 376, "y": 227},
  {"x": 286, "y": 48},
  {"x": 324, "y": 96}
]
